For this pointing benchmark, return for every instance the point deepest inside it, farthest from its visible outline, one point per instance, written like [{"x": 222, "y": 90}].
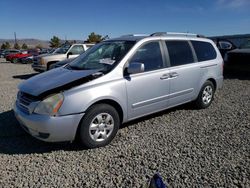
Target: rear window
[
  {"x": 204, "y": 50},
  {"x": 180, "y": 53}
]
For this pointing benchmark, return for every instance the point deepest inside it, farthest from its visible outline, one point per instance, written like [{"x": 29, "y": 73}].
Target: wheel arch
[
  {"x": 50, "y": 63},
  {"x": 110, "y": 102},
  {"x": 214, "y": 82}
]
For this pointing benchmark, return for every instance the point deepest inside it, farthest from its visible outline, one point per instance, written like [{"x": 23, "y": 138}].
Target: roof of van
[{"x": 137, "y": 37}]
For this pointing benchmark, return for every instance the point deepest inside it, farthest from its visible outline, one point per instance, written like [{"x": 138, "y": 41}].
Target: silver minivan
[{"x": 116, "y": 81}]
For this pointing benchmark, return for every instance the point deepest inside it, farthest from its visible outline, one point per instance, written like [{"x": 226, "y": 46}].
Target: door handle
[
  {"x": 165, "y": 76},
  {"x": 173, "y": 74}
]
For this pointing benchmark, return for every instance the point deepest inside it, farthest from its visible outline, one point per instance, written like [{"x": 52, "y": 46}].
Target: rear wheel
[
  {"x": 206, "y": 95},
  {"x": 99, "y": 126}
]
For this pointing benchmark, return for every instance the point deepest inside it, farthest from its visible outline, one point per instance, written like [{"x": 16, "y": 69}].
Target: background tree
[
  {"x": 3, "y": 46},
  {"x": 16, "y": 46},
  {"x": 67, "y": 42},
  {"x": 55, "y": 42},
  {"x": 39, "y": 46},
  {"x": 24, "y": 46},
  {"x": 7, "y": 45},
  {"x": 94, "y": 38}
]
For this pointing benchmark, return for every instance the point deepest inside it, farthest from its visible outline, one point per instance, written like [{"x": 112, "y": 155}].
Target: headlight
[
  {"x": 42, "y": 62},
  {"x": 50, "y": 105}
]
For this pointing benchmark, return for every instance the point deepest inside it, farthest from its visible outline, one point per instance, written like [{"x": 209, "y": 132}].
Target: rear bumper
[
  {"x": 219, "y": 82},
  {"x": 47, "y": 128}
]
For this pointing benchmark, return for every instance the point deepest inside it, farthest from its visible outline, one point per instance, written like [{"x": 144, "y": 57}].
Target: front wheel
[
  {"x": 15, "y": 60},
  {"x": 99, "y": 126},
  {"x": 206, "y": 95},
  {"x": 51, "y": 66}
]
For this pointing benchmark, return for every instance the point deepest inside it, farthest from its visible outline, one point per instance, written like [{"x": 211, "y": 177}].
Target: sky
[{"x": 76, "y": 19}]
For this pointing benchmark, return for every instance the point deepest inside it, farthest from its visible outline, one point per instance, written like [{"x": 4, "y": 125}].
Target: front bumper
[
  {"x": 38, "y": 67},
  {"x": 48, "y": 128}
]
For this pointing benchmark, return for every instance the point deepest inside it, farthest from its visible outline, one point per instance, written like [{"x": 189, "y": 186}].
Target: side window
[
  {"x": 150, "y": 55},
  {"x": 179, "y": 52},
  {"x": 77, "y": 49},
  {"x": 204, "y": 50}
]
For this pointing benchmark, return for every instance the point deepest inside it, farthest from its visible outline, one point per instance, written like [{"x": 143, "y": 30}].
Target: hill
[{"x": 32, "y": 43}]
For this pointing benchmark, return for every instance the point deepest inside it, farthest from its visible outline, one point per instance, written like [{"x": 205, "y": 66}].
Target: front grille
[
  {"x": 36, "y": 60},
  {"x": 24, "y": 100}
]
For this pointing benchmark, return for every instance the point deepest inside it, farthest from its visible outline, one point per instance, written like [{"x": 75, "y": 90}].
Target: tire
[
  {"x": 49, "y": 67},
  {"x": 206, "y": 95},
  {"x": 99, "y": 126},
  {"x": 15, "y": 60}
]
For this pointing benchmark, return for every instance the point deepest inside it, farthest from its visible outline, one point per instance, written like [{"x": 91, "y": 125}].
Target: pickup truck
[{"x": 45, "y": 62}]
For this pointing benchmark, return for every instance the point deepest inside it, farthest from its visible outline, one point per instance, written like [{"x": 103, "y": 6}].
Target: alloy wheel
[{"x": 207, "y": 94}]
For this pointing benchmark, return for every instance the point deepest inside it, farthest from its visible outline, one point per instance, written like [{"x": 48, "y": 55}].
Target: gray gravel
[{"x": 188, "y": 147}]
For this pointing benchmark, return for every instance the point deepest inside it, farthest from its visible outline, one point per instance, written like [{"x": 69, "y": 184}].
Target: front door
[{"x": 147, "y": 92}]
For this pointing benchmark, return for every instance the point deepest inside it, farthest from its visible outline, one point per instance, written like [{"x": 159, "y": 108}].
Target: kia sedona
[{"x": 116, "y": 81}]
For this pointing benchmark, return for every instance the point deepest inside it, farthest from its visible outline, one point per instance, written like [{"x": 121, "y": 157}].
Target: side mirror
[
  {"x": 225, "y": 45},
  {"x": 68, "y": 54},
  {"x": 135, "y": 67}
]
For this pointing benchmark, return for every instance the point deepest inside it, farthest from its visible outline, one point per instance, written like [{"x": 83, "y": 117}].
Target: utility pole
[{"x": 15, "y": 37}]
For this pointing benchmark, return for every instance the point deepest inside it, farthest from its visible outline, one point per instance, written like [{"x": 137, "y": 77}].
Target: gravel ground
[{"x": 188, "y": 147}]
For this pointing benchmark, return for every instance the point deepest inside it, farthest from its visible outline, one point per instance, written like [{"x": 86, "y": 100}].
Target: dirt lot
[{"x": 188, "y": 147}]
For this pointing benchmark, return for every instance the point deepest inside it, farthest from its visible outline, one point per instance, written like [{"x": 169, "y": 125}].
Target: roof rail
[
  {"x": 135, "y": 35},
  {"x": 176, "y": 34}
]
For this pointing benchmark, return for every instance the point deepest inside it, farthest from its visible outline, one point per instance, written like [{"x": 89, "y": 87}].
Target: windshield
[
  {"x": 62, "y": 50},
  {"x": 103, "y": 56}
]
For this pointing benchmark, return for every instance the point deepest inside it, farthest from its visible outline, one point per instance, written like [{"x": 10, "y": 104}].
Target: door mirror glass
[{"x": 135, "y": 67}]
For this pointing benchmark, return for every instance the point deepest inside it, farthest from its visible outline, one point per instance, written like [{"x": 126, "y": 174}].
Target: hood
[
  {"x": 42, "y": 55},
  {"x": 55, "y": 80},
  {"x": 51, "y": 56},
  {"x": 55, "y": 56}
]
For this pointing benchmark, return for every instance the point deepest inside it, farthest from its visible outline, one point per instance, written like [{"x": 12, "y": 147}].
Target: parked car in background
[
  {"x": 224, "y": 46},
  {"x": 29, "y": 59},
  {"x": 116, "y": 81},
  {"x": 16, "y": 58},
  {"x": 67, "y": 51},
  {"x": 43, "y": 52},
  {"x": 4, "y": 53},
  {"x": 26, "y": 60},
  {"x": 239, "y": 59}
]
